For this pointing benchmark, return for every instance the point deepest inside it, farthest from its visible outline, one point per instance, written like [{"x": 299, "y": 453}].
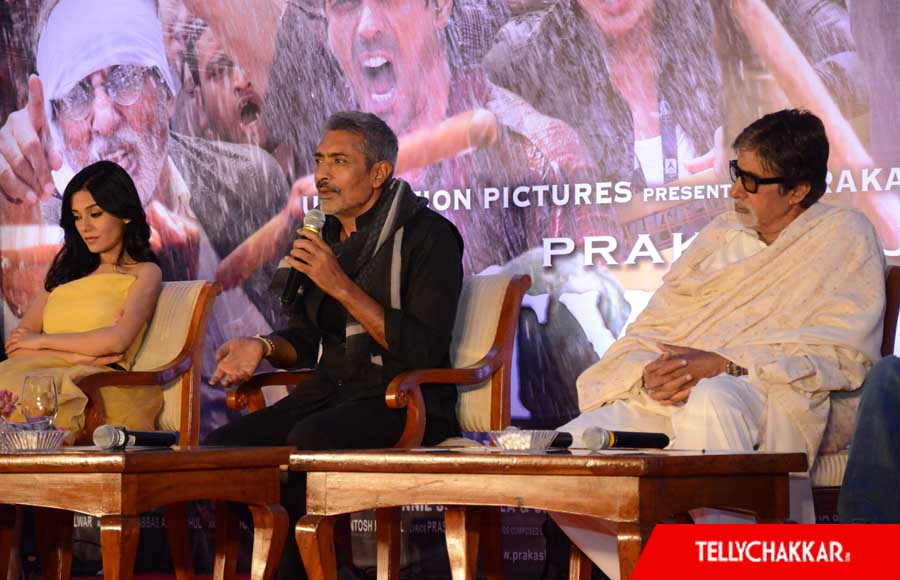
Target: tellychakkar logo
[
  {"x": 767, "y": 551},
  {"x": 770, "y": 551}
]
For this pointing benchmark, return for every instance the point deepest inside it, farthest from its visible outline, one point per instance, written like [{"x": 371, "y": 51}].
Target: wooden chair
[
  {"x": 481, "y": 352},
  {"x": 828, "y": 470},
  {"x": 170, "y": 356}
]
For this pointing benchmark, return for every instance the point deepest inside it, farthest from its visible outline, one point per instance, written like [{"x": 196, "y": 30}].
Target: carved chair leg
[
  {"x": 228, "y": 536},
  {"x": 579, "y": 564},
  {"x": 178, "y": 532},
  {"x": 387, "y": 538},
  {"x": 315, "y": 538},
  {"x": 54, "y": 539},
  {"x": 119, "y": 541},
  {"x": 461, "y": 528}
]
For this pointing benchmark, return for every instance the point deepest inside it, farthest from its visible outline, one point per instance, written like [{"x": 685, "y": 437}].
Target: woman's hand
[
  {"x": 73, "y": 358},
  {"x": 23, "y": 337}
]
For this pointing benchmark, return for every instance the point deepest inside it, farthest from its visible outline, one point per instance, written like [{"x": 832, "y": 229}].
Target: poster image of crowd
[{"x": 583, "y": 142}]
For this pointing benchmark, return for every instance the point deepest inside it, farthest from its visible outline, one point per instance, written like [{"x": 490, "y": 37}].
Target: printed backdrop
[{"x": 581, "y": 141}]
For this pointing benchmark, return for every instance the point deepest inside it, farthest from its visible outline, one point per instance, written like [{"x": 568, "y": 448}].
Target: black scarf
[{"x": 371, "y": 257}]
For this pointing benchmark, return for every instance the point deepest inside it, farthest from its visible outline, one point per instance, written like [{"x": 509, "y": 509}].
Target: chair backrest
[
  {"x": 178, "y": 328},
  {"x": 486, "y": 320},
  {"x": 892, "y": 311}
]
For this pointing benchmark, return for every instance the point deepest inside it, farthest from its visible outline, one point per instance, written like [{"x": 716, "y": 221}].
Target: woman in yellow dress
[{"x": 100, "y": 291}]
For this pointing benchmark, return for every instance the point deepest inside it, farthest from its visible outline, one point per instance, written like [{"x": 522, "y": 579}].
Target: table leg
[
  {"x": 579, "y": 564},
  {"x": 631, "y": 542},
  {"x": 461, "y": 529},
  {"x": 7, "y": 537},
  {"x": 315, "y": 537},
  {"x": 54, "y": 539},
  {"x": 228, "y": 538},
  {"x": 270, "y": 529},
  {"x": 179, "y": 537},
  {"x": 119, "y": 541},
  {"x": 387, "y": 540}
]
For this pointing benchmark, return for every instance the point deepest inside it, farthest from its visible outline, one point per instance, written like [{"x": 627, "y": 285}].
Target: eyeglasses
[
  {"x": 123, "y": 83},
  {"x": 749, "y": 181}
]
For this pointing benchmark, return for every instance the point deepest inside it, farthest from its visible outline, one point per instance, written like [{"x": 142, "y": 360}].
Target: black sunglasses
[{"x": 750, "y": 182}]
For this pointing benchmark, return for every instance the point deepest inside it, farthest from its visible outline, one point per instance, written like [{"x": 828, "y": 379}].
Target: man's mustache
[
  {"x": 102, "y": 148},
  {"x": 322, "y": 185}
]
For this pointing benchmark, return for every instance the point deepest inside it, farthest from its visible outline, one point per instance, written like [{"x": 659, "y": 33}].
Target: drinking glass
[{"x": 39, "y": 400}]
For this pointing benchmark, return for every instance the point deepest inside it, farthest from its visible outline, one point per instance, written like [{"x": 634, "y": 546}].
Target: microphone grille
[
  {"x": 595, "y": 438},
  {"x": 315, "y": 219},
  {"x": 107, "y": 437}
]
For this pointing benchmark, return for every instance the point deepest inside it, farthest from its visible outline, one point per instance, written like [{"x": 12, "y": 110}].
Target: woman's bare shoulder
[{"x": 142, "y": 270}]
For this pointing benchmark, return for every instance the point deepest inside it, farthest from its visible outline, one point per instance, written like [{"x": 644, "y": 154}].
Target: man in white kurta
[{"x": 774, "y": 306}]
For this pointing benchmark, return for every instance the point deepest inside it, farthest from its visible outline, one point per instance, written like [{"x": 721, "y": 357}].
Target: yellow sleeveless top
[{"x": 89, "y": 303}]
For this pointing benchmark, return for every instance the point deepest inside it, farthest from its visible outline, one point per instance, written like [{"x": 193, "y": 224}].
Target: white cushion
[
  {"x": 164, "y": 339},
  {"x": 828, "y": 470},
  {"x": 473, "y": 334}
]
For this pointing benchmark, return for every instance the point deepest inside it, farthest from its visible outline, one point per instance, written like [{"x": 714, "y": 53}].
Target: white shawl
[{"x": 804, "y": 316}]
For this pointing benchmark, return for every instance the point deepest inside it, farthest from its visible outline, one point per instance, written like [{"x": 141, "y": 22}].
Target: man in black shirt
[{"x": 371, "y": 323}]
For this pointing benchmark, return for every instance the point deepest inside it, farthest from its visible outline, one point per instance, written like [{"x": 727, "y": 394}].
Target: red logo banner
[{"x": 795, "y": 552}]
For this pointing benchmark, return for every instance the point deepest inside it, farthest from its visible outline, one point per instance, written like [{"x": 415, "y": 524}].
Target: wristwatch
[{"x": 735, "y": 370}]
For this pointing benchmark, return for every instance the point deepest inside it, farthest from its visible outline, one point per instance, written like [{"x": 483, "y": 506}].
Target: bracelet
[
  {"x": 270, "y": 346},
  {"x": 735, "y": 370}
]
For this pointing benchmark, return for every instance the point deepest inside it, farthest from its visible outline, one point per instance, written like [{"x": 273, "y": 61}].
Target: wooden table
[
  {"x": 118, "y": 486},
  {"x": 631, "y": 490}
]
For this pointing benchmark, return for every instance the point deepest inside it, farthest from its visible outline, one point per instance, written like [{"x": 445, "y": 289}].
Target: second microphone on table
[
  {"x": 600, "y": 438},
  {"x": 112, "y": 438},
  {"x": 297, "y": 282}
]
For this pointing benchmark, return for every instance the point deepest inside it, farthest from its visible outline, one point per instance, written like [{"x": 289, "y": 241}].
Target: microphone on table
[
  {"x": 298, "y": 282},
  {"x": 599, "y": 438},
  {"x": 109, "y": 437},
  {"x": 562, "y": 440}
]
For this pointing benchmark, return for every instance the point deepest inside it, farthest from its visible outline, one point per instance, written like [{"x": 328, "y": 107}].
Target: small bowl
[
  {"x": 523, "y": 439},
  {"x": 11, "y": 441},
  {"x": 39, "y": 425}
]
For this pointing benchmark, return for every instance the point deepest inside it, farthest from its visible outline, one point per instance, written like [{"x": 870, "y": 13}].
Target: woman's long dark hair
[{"x": 114, "y": 191}]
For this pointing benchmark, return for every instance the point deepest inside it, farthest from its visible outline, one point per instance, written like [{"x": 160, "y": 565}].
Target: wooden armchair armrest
[
  {"x": 91, "y": 385},
  {"x": 405, "y": 391},
  {"x": 249, "y": 395}
]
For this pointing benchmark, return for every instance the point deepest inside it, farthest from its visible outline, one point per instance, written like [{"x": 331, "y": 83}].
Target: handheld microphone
[
  {"x": 108, "y": 437},
  {"x": 599, "y": 438},
  {"x": 562, "y": 440},
  {"x": 297, "y": 281}
]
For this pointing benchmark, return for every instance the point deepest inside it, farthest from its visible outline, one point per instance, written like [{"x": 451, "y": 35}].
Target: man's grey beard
[
  {"x": 147, "y": 153},
  {"x": 149, "y": 150},
  {"x": 748, "y": 220}
]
